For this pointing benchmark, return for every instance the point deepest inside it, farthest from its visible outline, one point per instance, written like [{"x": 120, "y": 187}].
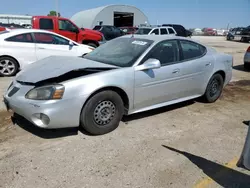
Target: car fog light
[{"x": 44, "y": 118}]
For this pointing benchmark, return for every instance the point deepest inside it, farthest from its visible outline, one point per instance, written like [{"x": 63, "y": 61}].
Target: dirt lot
[{"x": 191, "y": 144}]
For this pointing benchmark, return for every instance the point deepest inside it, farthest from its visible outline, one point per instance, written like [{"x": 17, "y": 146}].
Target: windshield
[
  {"x": 121, "y": 52},
  {"x": 143, "y": 31}
]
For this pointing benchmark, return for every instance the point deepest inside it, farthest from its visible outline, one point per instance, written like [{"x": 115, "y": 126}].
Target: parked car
[
  {"x": 21, "y": 47},
  {"x": 234, "y": 32},
  {"x": 110, "y": 32},
  {"x": 129, "y": 30},
  {"x": 67, "y": 28},
  {"x": 247, "y": 59},
  {"x": 180, "y": 30},
  {"x": 156, "y": 31},
  {"x": 124, "y": 76},
  {"x": 209, "y": 32}
]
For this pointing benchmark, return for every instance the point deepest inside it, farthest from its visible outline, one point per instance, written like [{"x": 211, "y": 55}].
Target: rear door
[
  {"x": 198, "y": 66},
  {"x": 49, "y": 44},
  {"x": 21, "y": 47}
]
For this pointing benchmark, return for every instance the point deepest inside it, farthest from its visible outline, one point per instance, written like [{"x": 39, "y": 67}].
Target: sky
[{"x": 189, "y": 13}]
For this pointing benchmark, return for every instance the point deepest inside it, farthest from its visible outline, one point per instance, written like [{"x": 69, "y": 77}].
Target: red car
[{"x": 129, "y": 30}]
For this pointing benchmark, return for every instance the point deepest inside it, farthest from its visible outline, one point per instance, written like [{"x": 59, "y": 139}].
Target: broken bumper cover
[{"x": 47, "y": 114}]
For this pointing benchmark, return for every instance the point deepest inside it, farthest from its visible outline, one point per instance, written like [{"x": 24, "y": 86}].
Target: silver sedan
[{"x": 124, "y": 76}]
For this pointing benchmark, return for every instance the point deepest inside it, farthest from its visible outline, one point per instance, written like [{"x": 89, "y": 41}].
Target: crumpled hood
[{"x": 55, "y": 66}]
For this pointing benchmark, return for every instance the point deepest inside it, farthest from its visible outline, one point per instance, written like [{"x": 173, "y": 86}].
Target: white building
[
  {"x": 117, "y": 15},
  {"x": 16, "y": 19}
]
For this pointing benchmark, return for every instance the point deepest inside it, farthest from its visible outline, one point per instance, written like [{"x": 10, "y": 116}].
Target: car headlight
[{"x": 46, "y": 92}]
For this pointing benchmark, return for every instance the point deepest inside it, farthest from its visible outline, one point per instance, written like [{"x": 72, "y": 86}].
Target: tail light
[{"x": 248, "y": 50}]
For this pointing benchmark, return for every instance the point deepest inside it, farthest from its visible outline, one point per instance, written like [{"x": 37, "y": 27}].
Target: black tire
[
  {"x": 214, "y": 88},
  {"x": 92, "y": 44},
  {"x": 94, "y": 117},
  {"x": 247, "y": 66},
  {"x": 5, "y": 64}
]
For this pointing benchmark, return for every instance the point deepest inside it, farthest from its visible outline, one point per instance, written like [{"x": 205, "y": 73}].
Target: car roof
[
  {"x": 158, "y": 38},
  {"x": 21, "y": 31},
  {"x": 150, "y": 27}
]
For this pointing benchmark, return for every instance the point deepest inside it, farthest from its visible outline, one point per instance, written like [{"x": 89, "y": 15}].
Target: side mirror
[
  {"x": 71, "y": 43},
  {"x": 149, "y": 64}
]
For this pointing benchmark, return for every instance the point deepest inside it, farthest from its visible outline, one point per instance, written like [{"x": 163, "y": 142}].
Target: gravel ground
[{"x": 191, "y": 144}]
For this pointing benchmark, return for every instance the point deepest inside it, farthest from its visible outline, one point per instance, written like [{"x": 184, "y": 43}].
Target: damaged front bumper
[{"x": 47, "y": 114}]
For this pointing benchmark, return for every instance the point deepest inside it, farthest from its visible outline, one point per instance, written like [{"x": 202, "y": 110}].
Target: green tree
[{"x": 53, "y": 13}]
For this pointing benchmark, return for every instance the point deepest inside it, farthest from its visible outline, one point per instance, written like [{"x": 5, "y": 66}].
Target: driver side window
[
  {"x": 47, "y": 38},
  {"x": 167, "y": 52},
  {"x": 65, "y": 25}
]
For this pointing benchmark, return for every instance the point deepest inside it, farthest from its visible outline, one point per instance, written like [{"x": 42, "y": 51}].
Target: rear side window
[
  {"x": 46, "y": 23},
  {"x": 191, "y": 50},
  {"x": 171, "y": 31},
  {"x": 21, "y": 38},
  {"x": 164, "y": 31},
  {"x": 47, "y": 38},
  {"x": 155, "y": 31}
]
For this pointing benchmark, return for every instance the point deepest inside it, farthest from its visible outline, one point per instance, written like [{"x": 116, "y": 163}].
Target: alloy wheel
[{"x": 7, "y": 67}]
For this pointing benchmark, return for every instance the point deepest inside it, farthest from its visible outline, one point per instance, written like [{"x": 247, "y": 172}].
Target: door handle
[
  {"x": 208, "y": 64},
  {"x": 41, "y": 48},
  {"x": 176, "y": 71}
]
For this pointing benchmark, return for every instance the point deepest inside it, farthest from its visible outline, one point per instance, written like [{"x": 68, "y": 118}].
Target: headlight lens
[{"x": 46, "y": 92}]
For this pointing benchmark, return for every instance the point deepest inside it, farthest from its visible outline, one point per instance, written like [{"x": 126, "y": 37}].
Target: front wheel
[
  {"x": 102, "y": 113},
  {"x": 214, "y": 88}
]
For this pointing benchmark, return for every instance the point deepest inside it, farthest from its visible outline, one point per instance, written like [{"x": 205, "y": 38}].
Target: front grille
[{"x": 13, "y": 91}]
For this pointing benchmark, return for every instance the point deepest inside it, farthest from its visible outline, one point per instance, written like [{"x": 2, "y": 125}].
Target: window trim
[
  {"x": 181, "y": 51},
  {"x": 165, "y": 29},
  {"x": 48, "y": 34},
  {"x": 66, "y": 21},
  {"x": 174, "y": 32},
  {"x": 153, "y": 30},
  {"x": 145, "y": 58},
  {"x": 32, "y": 38}
]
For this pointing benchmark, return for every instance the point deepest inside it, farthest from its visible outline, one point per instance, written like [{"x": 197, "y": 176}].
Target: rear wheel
[
  {"x": 102, "y": 113},
  {"x": 8, "y": 66},
  {"x": 214, "y": 88}
]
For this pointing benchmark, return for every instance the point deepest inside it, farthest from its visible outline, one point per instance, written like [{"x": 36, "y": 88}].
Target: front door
[
  {"x": 50, "y": 45},
  {"x": 67, "y": 29},
  {"x": 160, "y": 85}
]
